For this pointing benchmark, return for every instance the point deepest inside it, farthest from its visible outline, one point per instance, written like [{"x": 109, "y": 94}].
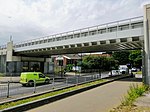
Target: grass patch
[
  {"x": 1, "y": 74},
  {"x": 139, "y": 72},
  {"x": 133, "y": 93},
  {"x": 11, "y": 104}
]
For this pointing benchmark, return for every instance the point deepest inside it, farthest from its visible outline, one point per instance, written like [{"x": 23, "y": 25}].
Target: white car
[{"x": 134, "y": 69}]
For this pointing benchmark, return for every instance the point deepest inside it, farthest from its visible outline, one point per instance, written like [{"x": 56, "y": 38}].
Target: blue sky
[{"x": 30, "y": 19}]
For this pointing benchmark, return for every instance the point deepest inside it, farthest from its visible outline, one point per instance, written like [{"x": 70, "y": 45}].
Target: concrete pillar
[
  {"x": 147, "y": 44},
  {"x": 117, "y": 40},
  {"x": 90, "y": 43},
  {"x": 9, "y": 56},
  {"x": 75, "y": 45},
  {"x": 107, "y": 42},
  {"x": 98, "y": 43},
  {"x": 129, "y": 39},
  {"x": 82, "y": 45}
]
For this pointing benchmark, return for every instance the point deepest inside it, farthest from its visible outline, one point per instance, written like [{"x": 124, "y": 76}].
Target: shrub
[
  {"x": 69, "y": 67},
  {"x": 133, "y": 93}
]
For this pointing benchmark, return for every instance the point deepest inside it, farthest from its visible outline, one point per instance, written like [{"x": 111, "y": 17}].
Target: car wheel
[
  {"x": 23, "y": 84},
  {"x": 47, "y": 81},
  {"x": 31, "y": 83}
]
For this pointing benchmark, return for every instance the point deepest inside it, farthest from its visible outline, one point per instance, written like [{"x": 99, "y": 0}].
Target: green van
[{"x": 28, "y": 78}]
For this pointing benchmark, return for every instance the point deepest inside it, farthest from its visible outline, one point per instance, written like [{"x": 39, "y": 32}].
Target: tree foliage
[
  {"x": 97, "y": 62},
  {"x": 109, "y": 63},
  {"x": 135, "y": 58},
  {"x": 121, "y": 56}
]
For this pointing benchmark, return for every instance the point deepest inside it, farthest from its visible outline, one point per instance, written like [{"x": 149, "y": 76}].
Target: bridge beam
[{"x": 147, "y": 44}]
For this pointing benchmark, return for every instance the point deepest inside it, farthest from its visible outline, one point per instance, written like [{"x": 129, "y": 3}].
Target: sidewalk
[
  {"x": 143, "y": 101},
  {"x": 10, "y": 79},
  {"x": 100, "y": 99}
]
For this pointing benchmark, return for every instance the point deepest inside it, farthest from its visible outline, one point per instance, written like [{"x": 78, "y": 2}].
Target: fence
[{"x": 14, "y": 90}]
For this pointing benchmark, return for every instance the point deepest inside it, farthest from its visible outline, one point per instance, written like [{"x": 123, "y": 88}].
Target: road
[
  {"x": 16, "y": 89},
  {"x": 100, "y": 99}
]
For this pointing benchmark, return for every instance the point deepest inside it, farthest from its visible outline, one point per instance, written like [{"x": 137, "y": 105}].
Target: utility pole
[{"x": 147, "y": 44}]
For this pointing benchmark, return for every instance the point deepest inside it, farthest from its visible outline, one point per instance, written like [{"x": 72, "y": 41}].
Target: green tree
[
  {"x": 135, "y": 58},
  {"x": 121, "y": 56},
  {"x": 112, "y": 63},
  {"x": 86, "y": 62},
  {"x": 98, "y": 62}
]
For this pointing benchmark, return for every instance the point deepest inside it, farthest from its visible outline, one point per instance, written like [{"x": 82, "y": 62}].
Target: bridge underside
[{"x": 83, "y": 48}]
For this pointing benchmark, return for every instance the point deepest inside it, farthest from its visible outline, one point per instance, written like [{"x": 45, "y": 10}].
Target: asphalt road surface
[
  {"x": 100, "y": 99},
  {"x": 17, "y": 89}
]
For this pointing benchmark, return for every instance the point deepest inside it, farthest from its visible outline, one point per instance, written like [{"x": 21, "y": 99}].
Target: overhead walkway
[{"x": 118, "y": 35}]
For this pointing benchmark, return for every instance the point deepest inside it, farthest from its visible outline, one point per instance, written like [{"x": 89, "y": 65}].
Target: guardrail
[{"x": 15, "y": 89}]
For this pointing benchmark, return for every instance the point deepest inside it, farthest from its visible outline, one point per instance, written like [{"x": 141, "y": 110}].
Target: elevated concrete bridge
[
  {"x": 119, "y": 35},
  {"x": 126, "y": 34}
]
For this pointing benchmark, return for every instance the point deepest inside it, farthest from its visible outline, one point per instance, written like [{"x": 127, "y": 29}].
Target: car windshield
[
  {"x": 123, "y": 68},
  {"x": 41, "y": 76}
]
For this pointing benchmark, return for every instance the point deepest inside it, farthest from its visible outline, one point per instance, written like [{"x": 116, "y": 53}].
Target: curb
[
  {"x": 5, "y": 82},
  {"x": 37, "y": 103}
]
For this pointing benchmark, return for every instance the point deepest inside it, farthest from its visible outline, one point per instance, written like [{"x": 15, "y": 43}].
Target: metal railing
[
  {"x": 126, "y": 24},
  {"x": 14, "y": 90}
]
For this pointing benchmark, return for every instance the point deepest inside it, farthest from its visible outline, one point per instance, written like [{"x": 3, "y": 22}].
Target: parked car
[
  {"x": 28, "y": 78},
  {"x": 123, "y": 69},
  {"x": 114, "y": 73},
  {"x": 134, "y": 69}
]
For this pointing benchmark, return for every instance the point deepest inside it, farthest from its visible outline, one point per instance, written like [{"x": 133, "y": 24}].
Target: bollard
[
  {"x": 77, "y": 80},
  {"x": 53, "y": 83},
  {"x": 8, "y": 89},
  {"x": 34, "y": 86},
  {"x": 66, "y": 81},
  {"x": 84, "y": 79},
  {"x": 97, "y": 76}
]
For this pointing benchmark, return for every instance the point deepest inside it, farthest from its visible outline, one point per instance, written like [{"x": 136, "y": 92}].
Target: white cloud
[{"x": 29, "y": 19}]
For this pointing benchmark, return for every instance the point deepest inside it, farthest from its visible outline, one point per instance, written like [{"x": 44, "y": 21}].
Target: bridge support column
[
  {"x": 147, "y": 44},
  {"x": 107, "y": 42},
  {"x": 117, "y": 40},
  {"x": 9, "y": 56},
  {"x": 90, "y": 43},
  {"x": 129, "y": 39}
]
